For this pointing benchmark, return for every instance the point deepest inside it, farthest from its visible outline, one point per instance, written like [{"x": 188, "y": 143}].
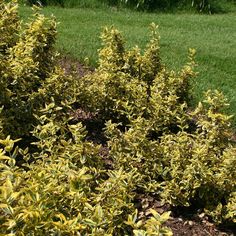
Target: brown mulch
[
  {"x": 72, "y": 66},
  {"x": 183, "y": 221}
]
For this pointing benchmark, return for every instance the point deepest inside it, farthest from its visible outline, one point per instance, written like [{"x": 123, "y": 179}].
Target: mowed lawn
[{"x": 213, "y": 36}]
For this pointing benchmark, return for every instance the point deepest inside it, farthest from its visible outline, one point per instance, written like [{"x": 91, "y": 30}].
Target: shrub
[
  {"x": 66, "y": 189},
  {"x": 28, "y": 60},
  {"x": 157, "y": 143},
  {"x": 202, "y": 6},
  {"x": 197, "y": 162},
  {"x": 181, "y": 155},
  {"x": 29, "y": 74},
  {"x": 45, "y": 2},
  {"x": 185, "y": 167},
  {"x": 206, "y": 6},
  {"x": 127, "y": 85},
  {"x": 57, "y": 195},
  {"x": 62, "y": 186}
]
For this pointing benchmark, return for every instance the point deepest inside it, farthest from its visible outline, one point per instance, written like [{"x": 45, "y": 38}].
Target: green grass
[{"x": 213, "y": 36}]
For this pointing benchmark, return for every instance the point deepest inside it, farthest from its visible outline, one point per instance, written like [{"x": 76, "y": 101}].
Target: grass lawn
[{"x": 213, "y": 36}]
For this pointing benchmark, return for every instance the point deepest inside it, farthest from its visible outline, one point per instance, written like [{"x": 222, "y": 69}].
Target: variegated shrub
[
  {"x": 54, "y": 181},
  {"x": 57, "y": 185}
]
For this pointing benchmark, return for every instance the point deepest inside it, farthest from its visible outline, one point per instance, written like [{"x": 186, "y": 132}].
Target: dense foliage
[
  {"x": 184, "y": 155},
  {"x": 61, "y": 186},
  {"x": 55, "y": 181},
  {"x": 200, "y": 5},
  {"x": 207, "y": 6}
]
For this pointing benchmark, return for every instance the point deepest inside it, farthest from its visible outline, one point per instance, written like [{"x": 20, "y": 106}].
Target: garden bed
[{"x": 183, "y": 220}]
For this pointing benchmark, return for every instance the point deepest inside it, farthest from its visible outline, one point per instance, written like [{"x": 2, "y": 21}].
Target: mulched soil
[
  {"x": 183, "y": 221},
  {"x": 72, "y": 66}
]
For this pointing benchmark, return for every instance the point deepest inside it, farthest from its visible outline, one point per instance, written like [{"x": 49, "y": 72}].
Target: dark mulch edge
[{"x": 183, "y": 220}]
